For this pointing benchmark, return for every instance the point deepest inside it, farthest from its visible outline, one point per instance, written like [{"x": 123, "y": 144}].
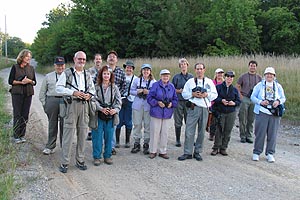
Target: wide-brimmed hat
[
  {"x": 230, "y": 73},
  {"x": 270, "y": 70},
  {"x": 59, "y": 60},
  {"x": 219, "y": 70},
  {"x": 129, "y": 63},
  {"x": 164, "y": 71},
  {"x": 146, "y": 66}
]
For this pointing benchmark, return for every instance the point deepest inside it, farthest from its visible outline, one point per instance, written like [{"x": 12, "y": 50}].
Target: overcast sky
[{"x": 25, "y": 18}]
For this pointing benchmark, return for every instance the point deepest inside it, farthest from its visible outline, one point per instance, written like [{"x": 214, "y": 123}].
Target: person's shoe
[
  {"x": 97, "y": 162},
  {"x": 152, "y": 155},
  {"x": 184, "y": 157},
  {"x": 136, "y": 148},
  {"x": 223, "y": 152},
  {"x": 214, "y": 152},
  {"x": 127, "y": 145},
  {"x": 23, "y": 139},
  {"x": 80, "y": 165},
  {"x": 211, "y": 137},
  {"x": 17, "y": 140},
  {"x": 63, "y": 168},
  {"x": 108, "y": 161},
  {"x": 249, "y": 140},
  {"x": 270, "y": 158},
  {"x": 89, "y": 136},
  {"x": 47, "y": 151},
  {"x": 117, "y": 145},
  {"x": 178, "y": 144},
  {"x": 146, "y": 148},
  {"x": 165, "y": 156},
  {"x": 113, "y": 151},
  {"x": 243, "y": 140},
  {"x": 197, "y": 156},
  {"x": 255, "y": 157}
]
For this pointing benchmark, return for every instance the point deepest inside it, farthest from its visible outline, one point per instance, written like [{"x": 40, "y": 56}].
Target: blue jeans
[
  {"x": 125, "y": 116},
  {"x": 104, "y": 131}
]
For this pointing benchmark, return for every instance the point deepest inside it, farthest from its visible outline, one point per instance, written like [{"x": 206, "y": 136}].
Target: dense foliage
[{"x": 138, "y": 28}]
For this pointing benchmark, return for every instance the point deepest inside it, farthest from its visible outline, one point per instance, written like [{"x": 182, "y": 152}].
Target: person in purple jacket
[{"x": 162, "y": 99}]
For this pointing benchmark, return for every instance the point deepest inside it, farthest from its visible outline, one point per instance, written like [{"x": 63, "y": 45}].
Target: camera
[
  {"x": 20, "y": 78},
  {"x": 67, "y": 99},
  {"x": 166, "y": 102},
  {"x": 199, "y": 89},
  {"x": 270, "y": 105},
  {"x": 142, "y": 95}
]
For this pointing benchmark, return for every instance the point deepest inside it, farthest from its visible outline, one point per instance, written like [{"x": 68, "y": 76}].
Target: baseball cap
[
  {"x": 219, "y": 70},
  {"x": 59, "y": 61},
  {"x": 146, "y": 66},
  {"x": 112, "y": 52},
  {"x": 270, "y": 70},
  {"x": 230, "y": 73},
  {"x": 164, "y": 71}
]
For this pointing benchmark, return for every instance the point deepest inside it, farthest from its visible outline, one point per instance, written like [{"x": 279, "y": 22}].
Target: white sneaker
[
  {"x": 23, "y": 139},
  {"x": 47, "y": 151},
  {"x": 255, "y": 157},
  {"x": 17, "y": 140},
  {"x": 270, "y": 158}
]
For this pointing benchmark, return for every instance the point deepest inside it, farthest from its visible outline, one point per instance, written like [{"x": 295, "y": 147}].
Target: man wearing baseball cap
[{"x": 50, "y": 100}]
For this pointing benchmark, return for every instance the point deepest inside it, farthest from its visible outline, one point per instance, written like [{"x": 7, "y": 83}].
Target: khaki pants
[
  {"x": 75, "y": 122},
  {"x": 140, "y": 118},
  {"x": 159, "y": 135}
]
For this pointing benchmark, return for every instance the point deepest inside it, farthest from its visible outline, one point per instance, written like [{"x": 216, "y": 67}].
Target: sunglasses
[{"x": 230, "y": 76}]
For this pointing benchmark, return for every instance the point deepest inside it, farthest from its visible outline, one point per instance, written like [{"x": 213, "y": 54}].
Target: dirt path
[{"x": 135, "y": 176}]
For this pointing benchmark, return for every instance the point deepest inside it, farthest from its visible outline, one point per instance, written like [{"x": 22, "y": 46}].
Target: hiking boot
[
  {"x": 223, "y": 152},
  {"x": 146, "y": 148},
  {"x": 136, "y": 148},
  {"x": 80, "y": 165},
  {"x": 97, "y": 162},
  {"x": 249, "y": 140},
  {"x": 214, "y": 152},
  {"x": 63, "y": 168},
  {"x": 243, "y": 140},
  {"x": 108, "y": 161},
  {"x": 17, "y": 140},
  {"x": 23, "y": 139},
  {"x": 47, "y": 151}
]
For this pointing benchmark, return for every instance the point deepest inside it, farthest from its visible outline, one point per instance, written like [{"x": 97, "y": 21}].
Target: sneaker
[
  {"x": 146, "y": 148},
  {"x": 108, "y": 161},
  {"x": 270, "y": 158},
  {"x": 214, "y": 152},
  {"x": 97, "y": 162},
  {"x": 80, "y": 165},
  {"x": 113, "y": 151},
  {"x": 17, "y": 140},
  {"x": 47, "y": 151},
  {"x": 63, "y": 168},
  {"x": 249, "y": 140},
  {"x": 23, "y": 139},
  {"x": 197, "y": 156},
  {"x": 127, "y": 145},
  {"x": 117, "y": 145},
  {"x": 255, "y": 157},
  {"x": 223, "y": 152}
]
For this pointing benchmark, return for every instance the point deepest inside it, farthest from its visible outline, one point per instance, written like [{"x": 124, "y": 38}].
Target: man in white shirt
[{"x": 199, "y": 92}]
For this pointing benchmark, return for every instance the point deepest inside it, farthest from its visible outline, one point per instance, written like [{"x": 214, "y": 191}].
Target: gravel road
[{"x": 135, "y": 176}]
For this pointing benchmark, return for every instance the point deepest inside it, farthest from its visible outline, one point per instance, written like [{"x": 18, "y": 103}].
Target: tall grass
[
  {"x": 7, "y": 150},
  {"x": 287, "y": 72}
]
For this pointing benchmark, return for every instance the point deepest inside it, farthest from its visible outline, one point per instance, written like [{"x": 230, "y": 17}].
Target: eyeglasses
[
  {"x": 230, "y": 76},
  {"x": 83, "y": 59}
]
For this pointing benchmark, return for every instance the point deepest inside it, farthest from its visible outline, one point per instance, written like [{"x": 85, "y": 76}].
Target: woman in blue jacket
[
  {"x": 267, "y": 96},
  {"x": 224, "y": 110},
  {"x": 162, "y": 99}
]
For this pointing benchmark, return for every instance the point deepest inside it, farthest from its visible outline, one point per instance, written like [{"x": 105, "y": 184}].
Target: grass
[
  {"x": 7, "y": 151},
  {"x": 286, "y": 69}
]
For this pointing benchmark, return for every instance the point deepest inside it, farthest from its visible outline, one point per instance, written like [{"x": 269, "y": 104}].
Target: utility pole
[{"x": 6, "y": 42}]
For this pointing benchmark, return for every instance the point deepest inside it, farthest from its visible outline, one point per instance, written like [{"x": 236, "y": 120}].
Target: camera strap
[
  {"x": 111, "y": 94},
  {"x": 196, "y": 82},
  {"x": 128, "y": 92},
  {"x": 147, "y": 84}
]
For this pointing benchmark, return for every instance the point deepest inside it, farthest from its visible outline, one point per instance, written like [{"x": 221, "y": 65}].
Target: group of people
[{"x": 97, "y": 102}]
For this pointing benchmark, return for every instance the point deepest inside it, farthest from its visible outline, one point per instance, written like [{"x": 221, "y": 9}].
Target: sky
[{"x": 25, "y": 18}]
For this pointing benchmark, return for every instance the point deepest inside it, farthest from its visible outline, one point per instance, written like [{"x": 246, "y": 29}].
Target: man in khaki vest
[{"x": 77, "y": 87}]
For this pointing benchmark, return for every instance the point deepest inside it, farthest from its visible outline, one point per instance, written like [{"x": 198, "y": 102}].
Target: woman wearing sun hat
[{"x": 267, "y": 95}]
